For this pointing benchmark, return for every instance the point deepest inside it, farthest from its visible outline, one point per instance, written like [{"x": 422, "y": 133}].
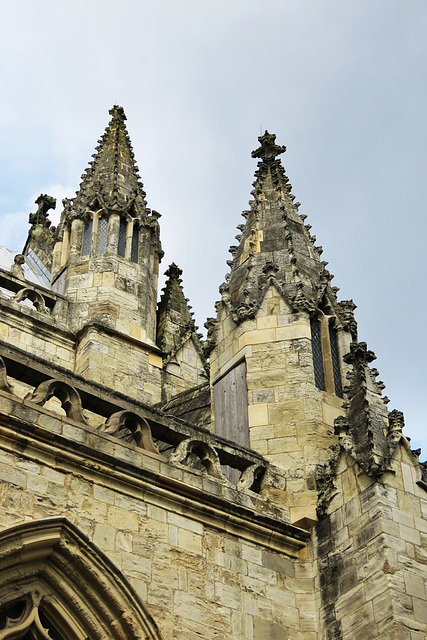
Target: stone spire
[
  {"x": 174, "y": 317},
  {"x": 275, "y": 246},
  {"x": 112, "y": 177}
]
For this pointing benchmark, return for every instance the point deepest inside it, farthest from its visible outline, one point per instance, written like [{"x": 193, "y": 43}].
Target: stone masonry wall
[
  {"x": 199, "y": 576},
  {"x": 290, "y": 420},
  {"x": 372, "y": 554}
]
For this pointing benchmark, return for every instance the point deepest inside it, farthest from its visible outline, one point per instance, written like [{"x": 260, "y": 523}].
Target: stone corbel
[{"x": 66, "y": 394}]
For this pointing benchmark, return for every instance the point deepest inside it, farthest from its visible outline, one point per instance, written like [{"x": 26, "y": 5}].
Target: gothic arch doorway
[{"x": 56, "y": 585}]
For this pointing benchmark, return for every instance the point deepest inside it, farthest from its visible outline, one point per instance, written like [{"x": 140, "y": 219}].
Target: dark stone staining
[{"x": 332, "y": 577}]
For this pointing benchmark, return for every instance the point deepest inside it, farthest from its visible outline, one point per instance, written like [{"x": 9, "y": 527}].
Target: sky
[{"x": 342, "y": 84}]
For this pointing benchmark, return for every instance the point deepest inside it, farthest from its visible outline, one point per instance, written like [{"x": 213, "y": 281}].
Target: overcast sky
[{"x": 342, "y": 84}]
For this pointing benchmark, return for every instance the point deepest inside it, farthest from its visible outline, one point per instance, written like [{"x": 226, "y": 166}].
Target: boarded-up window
[{"x": 231, "y": 406}]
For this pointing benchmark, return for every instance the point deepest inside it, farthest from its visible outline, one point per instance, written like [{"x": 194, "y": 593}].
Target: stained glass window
[
  {"x": 316, "y": 347},
  {"x": 135, "y": 239},
  {"x": 102, "y": 235},
  {"x": 87, "y": 237},
  {"x": 335, "y": 361},
  {"x": 121, "y": 245}
]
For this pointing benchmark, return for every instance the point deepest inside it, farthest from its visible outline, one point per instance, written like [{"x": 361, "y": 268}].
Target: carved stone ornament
[
  {"x": 16, "y": 269},
  {"x": 66, "y": 394},
  {"x": 260, "y": 476},
  {"x": 24, "y": 617},
  {"x": 34, "y": 296},
  {"x": 200, "y": 456},
  {"x": 45, "y": 203},
  {"x": 131, "y": 428},
  {"x": 4, "y": 384}
]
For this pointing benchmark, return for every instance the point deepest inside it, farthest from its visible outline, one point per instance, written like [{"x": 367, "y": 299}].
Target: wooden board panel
[{"x": 231, "y": 406}]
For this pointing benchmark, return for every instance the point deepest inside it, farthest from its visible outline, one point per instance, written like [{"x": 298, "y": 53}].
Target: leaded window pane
[
  {"x": 316, "y": 347},
  {"x": 335, "y": 361},
  {"x": 102, "y": 235},
  {"x": 87, "y": 237},
  {"x": 121, "y": 246},
  {"x": 135, "y": 239}
]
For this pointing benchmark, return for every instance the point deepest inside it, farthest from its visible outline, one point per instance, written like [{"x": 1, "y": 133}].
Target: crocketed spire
[
  {"x": 174, "y": 317},
  {"x": 112, "y": 180},
  {"x": 275, "y": 246}
]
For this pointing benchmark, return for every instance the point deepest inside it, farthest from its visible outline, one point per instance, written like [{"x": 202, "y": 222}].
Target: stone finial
[
  {"x": 117, "y": 112},
  {"x": 346, "y": 314},
  {"x": 45, "y": 203},
  {"x": 268, "y": 149},
  {"x": 16, "y": 269}
]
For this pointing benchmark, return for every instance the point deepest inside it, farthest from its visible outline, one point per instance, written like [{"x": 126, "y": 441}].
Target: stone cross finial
[{"x": 268, "y": 149}]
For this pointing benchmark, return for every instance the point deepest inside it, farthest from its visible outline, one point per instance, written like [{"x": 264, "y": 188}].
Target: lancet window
[
  {"x": 87, "y": 237},
  {"x": 135, "y": 242},
  {"x": 316, "y": 347},
  {"x": 121, "y": 244},
  {"x": 101, "y": 244},
  {"x": 326, "y": 360}
]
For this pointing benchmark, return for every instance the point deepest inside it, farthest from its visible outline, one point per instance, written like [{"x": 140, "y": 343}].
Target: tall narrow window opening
[
  {"x": 87, "y": 237},
  {"x": 135, "y": 241},
  {"x": 316, "y": 347},
  {"x": 121, "y": 245},
  {"x": 102, "y": 235},
  {"x": 335, "y": 361}
]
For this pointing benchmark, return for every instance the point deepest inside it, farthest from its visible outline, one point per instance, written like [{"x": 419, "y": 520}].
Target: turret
[
  {"x": 278, "y": 341},
  {"x": 106, "y": 263}
]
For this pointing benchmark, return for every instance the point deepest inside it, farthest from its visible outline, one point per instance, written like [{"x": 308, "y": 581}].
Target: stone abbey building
[{"x": 154, "y": 485}]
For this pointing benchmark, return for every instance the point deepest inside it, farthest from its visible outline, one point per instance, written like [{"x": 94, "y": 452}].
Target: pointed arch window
[
  {"x": 316, "y": 347},
  {"x": 27, "y": 620},
  {"x": 87, "y": 237},
  {"x": 333, "y": 341},
  {"x": 326, "y": 360},
  {"x": 36, "y": 605},
  {"x": 121, "y": 244},
  {"x": 135, "y": 242},
  {"x": 101, "y": 245}
]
